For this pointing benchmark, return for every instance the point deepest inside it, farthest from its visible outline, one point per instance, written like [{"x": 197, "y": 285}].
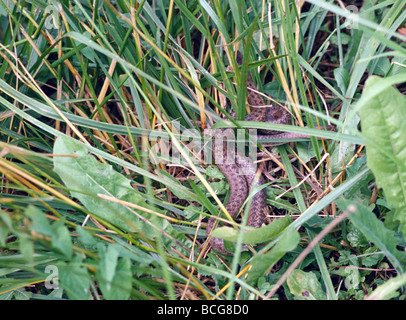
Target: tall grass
[{"x": 93, "y": 92}]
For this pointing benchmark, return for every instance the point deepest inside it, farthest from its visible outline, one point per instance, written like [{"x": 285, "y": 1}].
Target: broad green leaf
[
  {"x": 61, "y": 239},
  {"x": 306, "y": 151},
  {"x": 75, "y": 280},
  {"x": 27, "y": 248},
  {"x": 175, "y": 186},
  {"x": 8, "y": 290},
  {"x": 58, "y": 232},
  {"x": 86, "y": 178},
  {"x": 305, "y": 286},
  {"x": 22, "y": 295},
  {"x": 388, "y": 289},
  {"x": 5, "y": 226},
  {"x": 122, "y": 281},
  {"x": 108, "y": 262},
  {"x": 55, "y": 294},
  {"x": 85, "y": 236},
  {"x": 383, "y": 121},
  {"x": 114, "y": 274},
  {"x": 342, "y": 78},
  {"x": 375, "y": 231},
  {"x": 39, "y": 223},
  {"x": 264, "y": 262},
  {"x": 255, "y": 235}
]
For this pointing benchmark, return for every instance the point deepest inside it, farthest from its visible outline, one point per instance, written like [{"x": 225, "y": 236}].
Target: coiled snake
[{"x": 239, "y": 170}]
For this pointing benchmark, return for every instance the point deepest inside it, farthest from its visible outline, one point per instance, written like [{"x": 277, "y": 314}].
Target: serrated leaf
[
  {"x": 352, "y": 276},
  {"x": 383, "y": 121},
  {"x": 371, "y": 257},
  {"x": 375, "y": 231},
  {"x": 214, "y": 172},
  {"x": 356, "y": 237},
  {"x": 305, "y": 286}
]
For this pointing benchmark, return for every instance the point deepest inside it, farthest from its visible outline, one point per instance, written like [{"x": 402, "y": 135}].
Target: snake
[{"x": 239, "y": 170}]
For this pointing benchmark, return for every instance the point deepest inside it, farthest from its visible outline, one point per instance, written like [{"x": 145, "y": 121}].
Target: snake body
[{"x": 239, "y": 170}]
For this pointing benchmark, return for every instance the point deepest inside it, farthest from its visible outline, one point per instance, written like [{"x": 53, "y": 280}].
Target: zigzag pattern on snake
[{"x": 239, "y": 170}]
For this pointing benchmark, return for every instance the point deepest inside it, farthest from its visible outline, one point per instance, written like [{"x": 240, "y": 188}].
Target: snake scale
[{"x": 239, "y": 170}]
